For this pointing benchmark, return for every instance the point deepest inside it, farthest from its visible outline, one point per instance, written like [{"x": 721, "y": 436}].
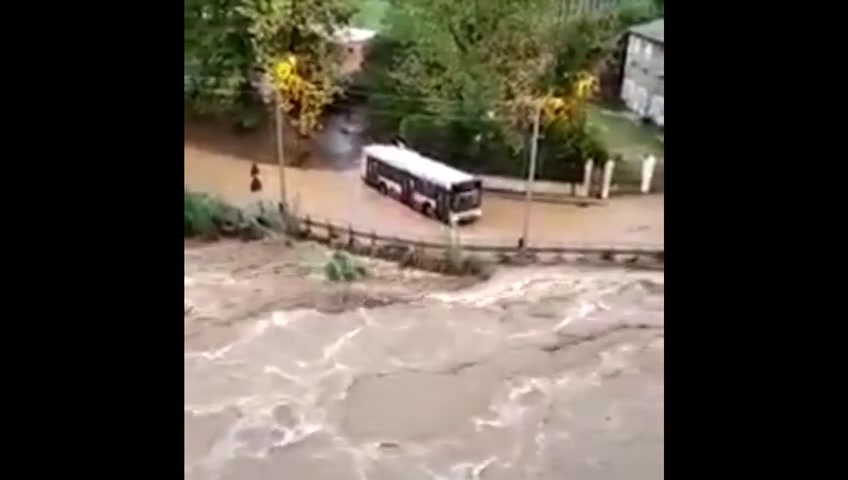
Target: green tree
[
  {"x": 230, "y": 44},
  {"x": 597, "y": 43},
  {"x": 461, "y": 80}
]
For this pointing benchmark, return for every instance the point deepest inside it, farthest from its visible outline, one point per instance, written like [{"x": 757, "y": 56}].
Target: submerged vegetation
[
  {"x": 207, "y": 217},
  {"x": 341, "y": 267}
]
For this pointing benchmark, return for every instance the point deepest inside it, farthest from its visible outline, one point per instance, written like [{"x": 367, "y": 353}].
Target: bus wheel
[
  {"x": 382, "y": 188},
  {"x": 427, "y": 210}
]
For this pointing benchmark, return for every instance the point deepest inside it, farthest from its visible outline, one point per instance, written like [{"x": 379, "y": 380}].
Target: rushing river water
[{"x": 542, "y": 374}]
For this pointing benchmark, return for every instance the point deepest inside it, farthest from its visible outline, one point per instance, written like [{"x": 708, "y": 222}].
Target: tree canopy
[
  {"x": 462, "y": 80},
  {"x": 231, "y": 46}
]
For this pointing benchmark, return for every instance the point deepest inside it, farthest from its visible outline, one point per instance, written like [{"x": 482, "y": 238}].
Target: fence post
[
  {"x": 649, "y": 163},
  {"x": 350, "y": 237},
  {"x": 454, "y": 234},
  {"x": 605, "y": 187},
  {"x": 587, "y": 178}
]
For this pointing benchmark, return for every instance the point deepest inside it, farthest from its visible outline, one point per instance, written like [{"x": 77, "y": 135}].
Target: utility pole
[
  {"x": 281, "y": 159},
  {"x": 531, "y": 174}
]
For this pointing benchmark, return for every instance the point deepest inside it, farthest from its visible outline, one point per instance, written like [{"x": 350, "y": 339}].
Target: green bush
[
  {"x": 210, "y": 218},
  {"x": 342, "y": 268},
  {"x": 201, "y": 213}
]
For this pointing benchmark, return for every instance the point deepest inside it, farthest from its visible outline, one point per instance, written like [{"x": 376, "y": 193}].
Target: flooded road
[
  {"x": 543, "y": 373},
  {"x": 336, "y": 193}
]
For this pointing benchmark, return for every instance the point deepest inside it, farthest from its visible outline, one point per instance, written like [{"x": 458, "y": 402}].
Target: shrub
[
  {"x": 208, "y": 217},
  {"x": 200, "y": 215},
  {"x": 342, "y": 268}
]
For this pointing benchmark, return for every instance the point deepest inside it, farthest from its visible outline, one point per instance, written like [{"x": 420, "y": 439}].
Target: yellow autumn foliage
[
  {"x": 301, "y": 97},
  {"x": 565, "y": 107}
]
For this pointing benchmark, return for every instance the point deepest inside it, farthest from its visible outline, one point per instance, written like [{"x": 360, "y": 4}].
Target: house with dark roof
[{"x": 643, "y": 84}]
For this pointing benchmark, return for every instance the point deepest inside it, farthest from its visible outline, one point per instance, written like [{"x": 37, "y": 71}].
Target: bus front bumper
[{"x": 466, "y": 217}]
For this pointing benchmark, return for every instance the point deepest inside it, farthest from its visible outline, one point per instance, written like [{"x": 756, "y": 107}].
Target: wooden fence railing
[{"x": 349, "y": 236}]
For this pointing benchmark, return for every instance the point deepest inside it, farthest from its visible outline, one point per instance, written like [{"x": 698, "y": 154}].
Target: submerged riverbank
[{"x": 228, "y": 283}]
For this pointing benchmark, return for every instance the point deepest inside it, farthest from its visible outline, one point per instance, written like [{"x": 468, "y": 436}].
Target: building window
[{"x": 648, "y": 51}]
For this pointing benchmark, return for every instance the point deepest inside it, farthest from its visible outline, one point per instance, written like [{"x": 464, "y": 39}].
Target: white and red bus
[{"x": 430, "y": 187}]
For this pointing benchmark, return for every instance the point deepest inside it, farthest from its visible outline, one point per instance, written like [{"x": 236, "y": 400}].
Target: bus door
[
  {"x": 370, "y": 169},
  {"x": 406, "y": 190},
  {"x": 442, "y": 209}
]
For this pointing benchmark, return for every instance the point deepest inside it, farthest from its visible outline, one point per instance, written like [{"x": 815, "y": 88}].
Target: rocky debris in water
[
  {"x": 283, "y": 416},
  {"x": 389, "y": 445}
]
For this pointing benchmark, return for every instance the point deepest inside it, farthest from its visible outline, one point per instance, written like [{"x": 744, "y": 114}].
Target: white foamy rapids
[{"x": 462, "y": 385}]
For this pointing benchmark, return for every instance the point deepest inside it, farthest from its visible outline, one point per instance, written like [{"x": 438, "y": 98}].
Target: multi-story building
[{"x": 643, "y": 87}]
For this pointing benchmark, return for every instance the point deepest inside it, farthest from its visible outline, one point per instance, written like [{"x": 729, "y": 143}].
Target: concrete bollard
[
  {"x": 607, "y": 182},
  {"x": 649, "y": 163},
  {"x": 587, "y": 178}
]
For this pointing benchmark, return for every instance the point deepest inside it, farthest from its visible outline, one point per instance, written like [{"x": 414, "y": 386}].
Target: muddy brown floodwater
[
  {"x": 544, "y": 373},
  {"x": 336, "y": 193}
]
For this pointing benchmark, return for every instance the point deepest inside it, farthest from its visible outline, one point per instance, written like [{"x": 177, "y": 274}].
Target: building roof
[
  {"x": 354, "y": 35},
  {"x": 417, "y": 164},
  {"x": 653, "y": 30},
  {"x": 345, "y": 35}
]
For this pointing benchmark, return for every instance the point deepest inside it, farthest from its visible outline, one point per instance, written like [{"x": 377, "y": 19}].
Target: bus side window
[{"x": 424, "y": 187}]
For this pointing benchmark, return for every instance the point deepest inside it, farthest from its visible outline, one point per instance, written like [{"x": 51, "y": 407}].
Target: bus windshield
[{"x": 467, "y": 200}]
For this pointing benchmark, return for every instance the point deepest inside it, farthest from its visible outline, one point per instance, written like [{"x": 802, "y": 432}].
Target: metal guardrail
[{"x": 336, "y": 231}]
